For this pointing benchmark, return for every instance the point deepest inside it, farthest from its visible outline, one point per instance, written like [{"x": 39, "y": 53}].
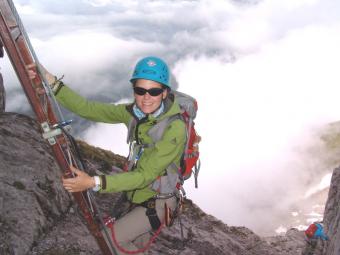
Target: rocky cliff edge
[{"x": 37, "y": 216}]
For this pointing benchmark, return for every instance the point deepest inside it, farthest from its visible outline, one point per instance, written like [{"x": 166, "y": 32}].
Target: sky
[{"x": 264, "y": 74}]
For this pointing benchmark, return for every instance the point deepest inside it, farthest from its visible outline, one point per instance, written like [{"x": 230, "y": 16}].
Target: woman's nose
[{"x": 147, "y": 95}]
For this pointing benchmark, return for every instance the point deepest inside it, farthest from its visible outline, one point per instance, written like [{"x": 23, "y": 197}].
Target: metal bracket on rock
[{"x": 57, "y": 129}]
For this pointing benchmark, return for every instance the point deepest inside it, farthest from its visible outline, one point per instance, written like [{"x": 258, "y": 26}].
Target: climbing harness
[
  {"x": 54, "y": 128},
  {"x": 156, "y": 224}
]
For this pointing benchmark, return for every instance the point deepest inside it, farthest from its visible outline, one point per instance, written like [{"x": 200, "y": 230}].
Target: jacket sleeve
[
  {"x": 153, "y": 161},
  {"x": 95, "y": 111}
]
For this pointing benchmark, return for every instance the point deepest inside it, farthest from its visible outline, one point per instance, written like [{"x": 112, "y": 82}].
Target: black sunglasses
[{"x": 152, "y": 92}]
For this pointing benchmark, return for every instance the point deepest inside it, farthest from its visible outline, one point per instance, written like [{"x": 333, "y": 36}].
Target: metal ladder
[{"x": 21, "y": 54}]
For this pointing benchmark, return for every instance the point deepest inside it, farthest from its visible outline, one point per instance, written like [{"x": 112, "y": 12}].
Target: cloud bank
[{"x": 264, "y": 73}]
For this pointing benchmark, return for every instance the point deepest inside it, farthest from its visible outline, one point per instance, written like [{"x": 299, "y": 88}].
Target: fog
[{"x": 263, "y": 72}]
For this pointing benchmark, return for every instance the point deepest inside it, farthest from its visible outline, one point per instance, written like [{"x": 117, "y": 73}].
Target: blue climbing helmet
[{"x": 152, "y": 68}]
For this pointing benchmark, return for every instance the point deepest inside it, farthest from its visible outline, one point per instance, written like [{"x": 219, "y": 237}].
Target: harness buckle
[{"x": 151, "y": 204}]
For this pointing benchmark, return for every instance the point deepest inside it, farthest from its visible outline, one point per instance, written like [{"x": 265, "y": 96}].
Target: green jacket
[{"x": 153, "y": 161}]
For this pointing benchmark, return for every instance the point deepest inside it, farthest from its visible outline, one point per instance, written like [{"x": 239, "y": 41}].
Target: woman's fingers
[
  {"x": 48, "y": 76},
  {"x": 31, "y": 66},
  {"x": 82, "y": 181},
  {"x": 71, "y": 185},
  {"x": 76, "y": 171},
  {"x": 31, "y": 74},
  {"x": 31, "y": 71}
]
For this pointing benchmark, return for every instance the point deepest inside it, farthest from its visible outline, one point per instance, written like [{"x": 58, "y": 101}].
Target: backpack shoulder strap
[
  {"x": 157, "y": 131},
  {"x": 131, "y": 127}
]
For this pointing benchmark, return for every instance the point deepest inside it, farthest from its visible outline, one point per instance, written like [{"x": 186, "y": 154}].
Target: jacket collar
[{"x": 171, "y": 107}]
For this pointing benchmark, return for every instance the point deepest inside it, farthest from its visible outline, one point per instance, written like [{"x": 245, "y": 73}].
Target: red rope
[{"x": 141, "y": 250}]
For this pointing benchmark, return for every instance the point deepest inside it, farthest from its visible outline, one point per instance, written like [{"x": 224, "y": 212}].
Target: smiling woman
[
  {"x": 152, "y": 201},
  {"x": 148, "y": 95}
]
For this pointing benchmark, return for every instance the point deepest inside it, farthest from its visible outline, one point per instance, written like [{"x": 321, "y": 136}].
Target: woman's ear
[{"x": 165, "y": 93}]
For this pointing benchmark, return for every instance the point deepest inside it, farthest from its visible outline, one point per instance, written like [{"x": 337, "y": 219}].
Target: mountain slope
[{"x": 37, "y": 216}]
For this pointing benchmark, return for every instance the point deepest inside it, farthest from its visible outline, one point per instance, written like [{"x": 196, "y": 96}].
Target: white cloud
[
  {"x": 257, "y": 116},
  {"x": 264, "y": 71},
  {"x": 98, "y": 3},
  {"x": 88, "y": 59},
  {"x": 25, "y": 9},
  {"x": 324, "y": 183},
  {"x": 108, "y": 136}
]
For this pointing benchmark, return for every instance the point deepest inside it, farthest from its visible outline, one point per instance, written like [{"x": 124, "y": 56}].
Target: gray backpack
[{"x": 190, "y": 164}]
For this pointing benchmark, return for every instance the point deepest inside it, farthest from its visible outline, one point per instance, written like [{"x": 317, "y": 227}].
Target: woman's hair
[{"x": 166, "y": 88}]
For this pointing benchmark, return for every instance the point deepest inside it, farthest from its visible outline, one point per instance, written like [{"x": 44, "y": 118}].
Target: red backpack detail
[
  {"x": 310, "y": 231},
  {"x": 190, "y": 160}
]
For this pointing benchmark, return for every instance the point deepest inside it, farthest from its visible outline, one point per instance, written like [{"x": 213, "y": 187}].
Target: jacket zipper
[{"x": 141, "y": 121}]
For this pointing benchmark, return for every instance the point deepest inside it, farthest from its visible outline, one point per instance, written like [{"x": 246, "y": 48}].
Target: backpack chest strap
[{"x": 157, "y": 131}]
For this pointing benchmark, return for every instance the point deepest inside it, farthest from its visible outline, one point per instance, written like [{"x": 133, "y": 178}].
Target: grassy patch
[
  {"x": 100, "y": 155},
  {"x": 19, "y": 185}
]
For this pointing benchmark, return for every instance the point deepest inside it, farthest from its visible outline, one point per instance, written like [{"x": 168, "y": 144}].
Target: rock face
[
  {"x": 2, "y": 88},
  {"x": 38, "y": 217},
  {"x": 2, "y": 95},
  {"x": 31, "y": 198},
  {"x": 204, "y": 234},
  {"x": 332, "y": 216}
]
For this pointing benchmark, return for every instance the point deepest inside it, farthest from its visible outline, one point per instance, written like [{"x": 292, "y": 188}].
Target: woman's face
[{"x": 146, "y": 102}]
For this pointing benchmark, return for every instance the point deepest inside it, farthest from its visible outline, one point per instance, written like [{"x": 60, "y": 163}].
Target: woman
[{"x": 150, "y": 162}]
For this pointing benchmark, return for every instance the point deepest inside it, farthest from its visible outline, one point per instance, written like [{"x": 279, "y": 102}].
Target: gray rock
[
  {"x": 332, "y": 216},
  {"x": 2, "y": 95},
  {"x": 204, "y": 234},
  {"x": 314, "y": 247},
  {"x": 32, "y": 198},
  {"x": 2, "y": 88},
  {"x": 293, "y": 242},
  {"x": 69, "y": 236},
  {"x": 1, "y": 50}
]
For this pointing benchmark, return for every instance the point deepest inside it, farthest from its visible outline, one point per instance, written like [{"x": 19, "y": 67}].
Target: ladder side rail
[{"x": 20, "y": 57}]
